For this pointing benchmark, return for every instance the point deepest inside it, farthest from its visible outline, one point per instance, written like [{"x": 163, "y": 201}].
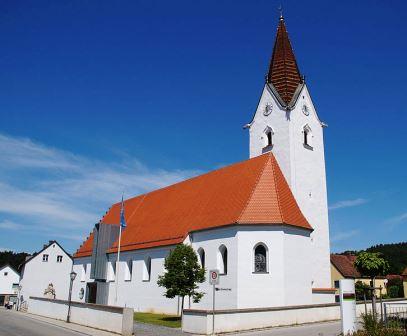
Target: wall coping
[
  {"x": 281, "y": 308},
  {"x": 82, "y": 304}
]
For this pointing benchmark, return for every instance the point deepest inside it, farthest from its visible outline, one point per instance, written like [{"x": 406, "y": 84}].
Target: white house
[
  {"x": 52, "y": 265},
  {"x": 262, "y": 222},
  {"x": 9, "y": 278}
]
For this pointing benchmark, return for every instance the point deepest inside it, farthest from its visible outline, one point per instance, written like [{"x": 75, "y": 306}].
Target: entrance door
[
  {"x": 91, "y": 292},
  {"x": 1, "y": 300}
]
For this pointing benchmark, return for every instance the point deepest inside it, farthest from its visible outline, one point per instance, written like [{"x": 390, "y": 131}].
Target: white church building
[{"x": 262, "y": 222}]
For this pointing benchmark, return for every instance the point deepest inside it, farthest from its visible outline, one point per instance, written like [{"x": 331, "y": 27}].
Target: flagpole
[
  {"x": 121, "y": 225},
  {"x": 118, "y": 259}
]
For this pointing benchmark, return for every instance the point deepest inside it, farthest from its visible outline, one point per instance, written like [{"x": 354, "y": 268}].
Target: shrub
[
  {"x": 361, "y": 289},
  {"x": 373, "y": 327},
  {"x": 393, "y": 291}
]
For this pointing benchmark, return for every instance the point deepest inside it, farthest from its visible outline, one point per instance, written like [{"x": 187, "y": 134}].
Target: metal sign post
[{"x": 213, "y": 280}]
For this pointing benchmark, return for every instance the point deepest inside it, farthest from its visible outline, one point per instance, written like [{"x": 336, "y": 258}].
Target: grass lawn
[{"x": 159, "y": 319}]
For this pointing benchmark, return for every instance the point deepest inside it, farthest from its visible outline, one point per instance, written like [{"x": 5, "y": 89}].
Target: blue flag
[{"x": 122, "y": 219}]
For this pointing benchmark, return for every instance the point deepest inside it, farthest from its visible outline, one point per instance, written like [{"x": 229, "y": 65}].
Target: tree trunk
[
  {"x": 374, "y": 297},
  {"x": 182, "y": 307}
]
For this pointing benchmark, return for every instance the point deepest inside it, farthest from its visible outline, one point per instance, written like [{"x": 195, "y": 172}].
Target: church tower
[{"x": 286, "y": 123}]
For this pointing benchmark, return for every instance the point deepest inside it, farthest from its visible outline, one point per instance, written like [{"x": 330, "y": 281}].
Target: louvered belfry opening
[{"x": 283, "y": 71}]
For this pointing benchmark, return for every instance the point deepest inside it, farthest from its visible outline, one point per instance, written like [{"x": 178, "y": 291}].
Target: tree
[
  {"x": 183, "y": 274},
  {"x": 371, "y": 265}
]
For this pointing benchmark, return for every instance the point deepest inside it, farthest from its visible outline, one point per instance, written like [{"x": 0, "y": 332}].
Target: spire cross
[{"x": 280, "y": 9}]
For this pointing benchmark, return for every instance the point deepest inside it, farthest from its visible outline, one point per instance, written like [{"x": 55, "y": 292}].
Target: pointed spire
[{"x": 283, "y": 71}]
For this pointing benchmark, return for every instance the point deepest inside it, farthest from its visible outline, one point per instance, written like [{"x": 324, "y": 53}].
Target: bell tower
[{"x": 286, "y": 123}]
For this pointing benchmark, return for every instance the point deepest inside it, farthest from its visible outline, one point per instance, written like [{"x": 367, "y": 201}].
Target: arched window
[
  {"x": 260, "y": 258},
  {"x": 307, "y": 136},
  {"x": 268, "y": 136},
  {"x": 201, "y": 253},
  {"x": 147, "y": 269},
  {"x": 223, "y": 260}
]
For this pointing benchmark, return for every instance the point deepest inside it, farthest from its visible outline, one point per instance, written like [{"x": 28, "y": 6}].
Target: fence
[{"x": 395, "y": 314}]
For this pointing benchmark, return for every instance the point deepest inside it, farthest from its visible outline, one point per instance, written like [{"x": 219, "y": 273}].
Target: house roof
[
  {"x": 404, "y": 272},
  {"x": 11, "y": 267},
  {"x": 249, "y": 192},
  {"x": 344, "y": 265},
  {"x": 51, "y": 242},
  {"x": 283, "y": 72}
]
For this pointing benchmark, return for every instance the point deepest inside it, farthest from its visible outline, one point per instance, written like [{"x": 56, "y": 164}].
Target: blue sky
[{"x": 99, "y": 98}]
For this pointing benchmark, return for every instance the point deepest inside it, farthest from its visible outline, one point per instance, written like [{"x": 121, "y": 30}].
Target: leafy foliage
[
  {"x": 373, "y": 327},
  {"x": 395, "y": 254},
  {"x": 361, "y": 290},
  {"x": 371, "y": 264},
  {"x": 13, "y": 259},
  {"x": 183, "y": 274}
]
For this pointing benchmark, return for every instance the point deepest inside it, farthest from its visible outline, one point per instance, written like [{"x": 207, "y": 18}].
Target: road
[
  {"x": 313, "y": 329},
  {"x": 17, "y": 324}
]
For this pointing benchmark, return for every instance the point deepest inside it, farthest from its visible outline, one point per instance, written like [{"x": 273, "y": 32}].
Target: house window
[
  {"x": 147, "y": 269},
  {"x": 260, "y": 259},
  {"x": 307, "y": 137},
  {"x": 45, "y": 257},
  {"x": 128, "y": 270},
  {"x": 5, "y": 273},
  {"x": 223, "y": 260},
  {"x": 59, "y": 259},
  {"x": 201, "y": 253},
  {"x": 336, "y": 283}
]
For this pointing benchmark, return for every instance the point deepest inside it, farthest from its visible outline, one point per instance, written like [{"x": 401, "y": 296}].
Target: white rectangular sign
[{"x": 214, "y": 277}]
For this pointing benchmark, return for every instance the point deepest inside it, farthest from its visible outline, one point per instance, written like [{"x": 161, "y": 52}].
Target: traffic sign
[{"x": 214, "y": 277}]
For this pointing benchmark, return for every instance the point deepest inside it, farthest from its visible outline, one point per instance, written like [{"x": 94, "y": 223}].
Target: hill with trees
[
  {"x": 395, "y": 254},
  {"x": 11, "y": 258}
]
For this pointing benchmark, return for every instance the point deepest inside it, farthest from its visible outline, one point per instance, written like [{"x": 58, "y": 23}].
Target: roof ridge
[
  {"x": 278, "y": 196},
  {"x": 254, "y": 187}
]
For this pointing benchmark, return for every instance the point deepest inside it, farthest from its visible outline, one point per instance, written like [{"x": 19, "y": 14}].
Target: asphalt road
[{"x": 15, "y": 324}]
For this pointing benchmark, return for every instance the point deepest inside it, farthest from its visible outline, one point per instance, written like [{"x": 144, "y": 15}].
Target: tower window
[
  {"x": 307, "y": 134},
  {"x": 268, "y": 137}
]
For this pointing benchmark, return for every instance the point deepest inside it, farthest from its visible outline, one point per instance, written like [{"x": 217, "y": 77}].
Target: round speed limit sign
[{"x": 214, "y": 277}]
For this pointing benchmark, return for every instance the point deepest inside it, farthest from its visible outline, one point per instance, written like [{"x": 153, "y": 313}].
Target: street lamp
[
  {"x": 19, "y": 297},
  {"x": 72, "y": 276}
]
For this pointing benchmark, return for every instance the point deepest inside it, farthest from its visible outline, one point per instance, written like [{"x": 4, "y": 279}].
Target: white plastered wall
[
  {"x": 37, "y": 274},
  {"x": 303, "y": 168},
  {"x": 8, "y": 277}
]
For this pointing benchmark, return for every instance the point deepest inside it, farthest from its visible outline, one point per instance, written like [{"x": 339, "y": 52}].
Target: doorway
[{"x": 91, "y": 290}]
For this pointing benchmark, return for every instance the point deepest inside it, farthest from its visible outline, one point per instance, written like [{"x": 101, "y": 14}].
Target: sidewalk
[{"x": 70, "y": 326}]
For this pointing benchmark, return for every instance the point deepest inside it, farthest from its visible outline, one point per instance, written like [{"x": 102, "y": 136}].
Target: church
[{"x": 263, "y": 222}]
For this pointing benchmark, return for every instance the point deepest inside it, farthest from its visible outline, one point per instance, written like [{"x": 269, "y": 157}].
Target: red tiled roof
[
  {"x": 344, "y": 264},
  {"x": 405, "y": 272},
  {"x": 283, "y": 71},
  {"x": 249, "y": 192}
]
